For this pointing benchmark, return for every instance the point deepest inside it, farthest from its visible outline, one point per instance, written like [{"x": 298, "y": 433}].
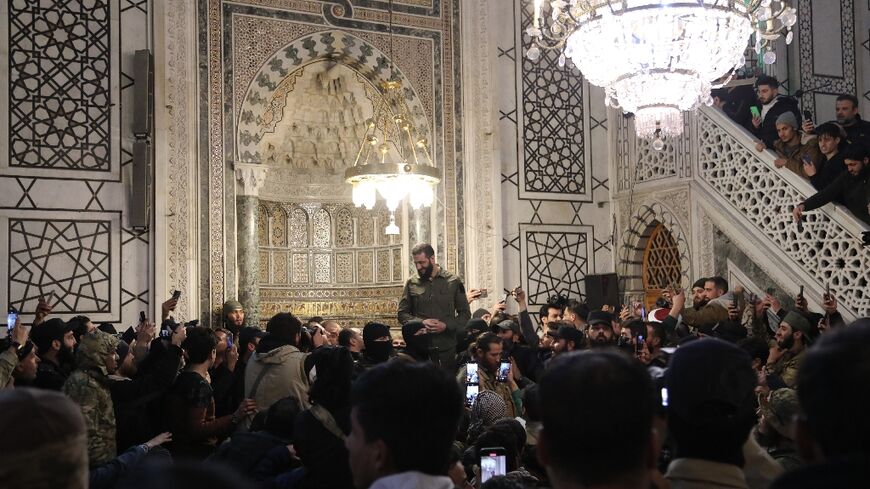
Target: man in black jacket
[
  {"x": 830, "y": 136},
  {"x": 773, "y": 105},
  {"x": 851, "y": 188}
]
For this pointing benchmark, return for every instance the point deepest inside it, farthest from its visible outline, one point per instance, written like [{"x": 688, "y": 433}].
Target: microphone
[{"x": 800, "y": 93}]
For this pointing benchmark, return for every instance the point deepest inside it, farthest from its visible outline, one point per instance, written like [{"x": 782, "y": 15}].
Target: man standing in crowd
[
  {"x": 852, "y": 187},
  {"x": 351, "y": 339},
  {"x": 568, "y": 339},
  {"x": 332, "y": 329},
  {"x": 56, "y": 344},
  {"x": 488, "y": 355},
  {"x": 234, "y": 316},
  {"x": 792, "y": 339},
  {"x": 575, "y": 444},
  {"x": 857, "y": 130},
  {"x": 773, "y": 105},
  {"x": 830, "y": 136},
  {"x": 601, "y": 329},
  {"x": 436, "y": 297},
  {"x": 794, "y": 153},
  {"x": 712, "y": 312},
  {"x": 388, "y": 449},
  {"x": 711, "y": 410}
]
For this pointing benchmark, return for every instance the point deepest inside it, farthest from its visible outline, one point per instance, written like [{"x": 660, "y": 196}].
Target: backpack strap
[{"x": 321, "y": 414}]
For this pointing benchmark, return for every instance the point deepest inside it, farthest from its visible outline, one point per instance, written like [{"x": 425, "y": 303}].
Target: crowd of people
[
  {"x": 832, "y": 157},
  {"x": 731, "y": 390}
]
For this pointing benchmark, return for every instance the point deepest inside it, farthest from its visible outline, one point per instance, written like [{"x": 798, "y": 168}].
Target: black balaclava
[
  {"x": 379, "y": 351},
  {"x": 417, "y": 345}
]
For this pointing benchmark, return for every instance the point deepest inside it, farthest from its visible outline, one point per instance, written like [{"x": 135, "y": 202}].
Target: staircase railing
[{"x": 745, "y": 185}]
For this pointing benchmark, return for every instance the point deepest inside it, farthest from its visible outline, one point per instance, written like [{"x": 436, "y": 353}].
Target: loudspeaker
[
  {"x": 140, "y": 186},
  {"x": 143, "y": 93},
  {"x": 602, "y": 289}
]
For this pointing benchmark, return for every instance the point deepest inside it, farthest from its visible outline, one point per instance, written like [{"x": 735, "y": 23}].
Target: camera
[{"x": 493, "y": 463}]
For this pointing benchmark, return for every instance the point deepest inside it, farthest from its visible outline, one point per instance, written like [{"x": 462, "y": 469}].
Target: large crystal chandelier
[
  {"x": 658, "y": 58},
  {"x": 392, "y": 160}
]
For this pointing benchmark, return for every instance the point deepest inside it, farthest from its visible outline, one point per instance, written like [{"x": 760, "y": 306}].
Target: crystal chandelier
[
  {"x": 658, "y": 58},
  {"x": 392, "y": 160}
]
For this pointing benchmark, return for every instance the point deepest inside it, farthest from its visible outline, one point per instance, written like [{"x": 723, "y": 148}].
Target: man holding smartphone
[
  {"x": 436, "y": 297},
  {"x": 495, "y": 373}
]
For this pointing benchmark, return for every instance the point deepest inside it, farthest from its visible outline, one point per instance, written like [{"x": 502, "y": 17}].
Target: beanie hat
[
  {"x": 480, "y": 313},
  {"x": 788, "y": 119},
  {"x": 231, "y": 305},
  {"x": 798, "y": 323}
]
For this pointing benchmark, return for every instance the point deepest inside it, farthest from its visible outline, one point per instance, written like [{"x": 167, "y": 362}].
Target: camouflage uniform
[
  {"x": 787, "y": 367},
  {"x": 88, "y": 387},
  {"x": 8, "y": 362}
]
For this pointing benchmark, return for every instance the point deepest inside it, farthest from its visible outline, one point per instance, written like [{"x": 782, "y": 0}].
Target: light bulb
[{"x": 658, "y": 144}]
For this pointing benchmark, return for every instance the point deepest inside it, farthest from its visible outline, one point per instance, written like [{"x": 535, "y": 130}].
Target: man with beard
[
  {"x": 56, "y": 344},
  {"x": 699, "y": 298},
  {"x": 773, "y": 105},
  {"x": 437, "y": 298},
  {"x": 857, "y": 129},
  {"x": 234, "y": 316},
  {"x": 601, "y": 329},
  {"x": 488, "y": 354},
  {"x": 568, "y": 339},
  {"x": 792, "y": 339}
]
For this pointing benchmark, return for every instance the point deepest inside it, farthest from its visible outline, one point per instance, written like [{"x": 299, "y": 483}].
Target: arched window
[{"x": 661, "y": 264}]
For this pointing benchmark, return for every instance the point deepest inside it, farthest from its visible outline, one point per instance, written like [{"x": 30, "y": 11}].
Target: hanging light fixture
[
  {"x": 392, "y": 160},
  {"x": 658, "y": 58}
]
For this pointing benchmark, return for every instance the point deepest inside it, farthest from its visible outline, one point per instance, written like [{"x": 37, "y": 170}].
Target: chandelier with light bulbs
[
  {"x": 658, "y": 58},
  {"x": 392, "y": 159}
]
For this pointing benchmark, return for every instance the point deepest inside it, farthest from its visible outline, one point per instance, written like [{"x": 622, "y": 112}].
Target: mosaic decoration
[{"x": 59, "y": 85}]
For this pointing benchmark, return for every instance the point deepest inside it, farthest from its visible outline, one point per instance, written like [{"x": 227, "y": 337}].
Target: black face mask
[{"x": 379, "y": 351}]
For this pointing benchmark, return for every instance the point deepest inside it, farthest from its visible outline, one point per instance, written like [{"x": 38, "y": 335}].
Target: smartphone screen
[
  {"x": 11, "y": 318},
  {"x": 493, "y": 462},
  {"x": 471, "y": 392},
  {"x": 229, "y": 341},
  {"x": 471, "y": 376},
  {"x": 483, "y": 294},
  {"x": 755, "y": 112},
  {"x": 176, "y": 295},
  {"x": 638, "y": 344},
  {"x": 504, "y": 369},
  {"x": 665, "y": 396}
]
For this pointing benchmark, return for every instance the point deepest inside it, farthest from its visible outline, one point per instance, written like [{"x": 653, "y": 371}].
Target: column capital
[{"x": 251, "y": 177}]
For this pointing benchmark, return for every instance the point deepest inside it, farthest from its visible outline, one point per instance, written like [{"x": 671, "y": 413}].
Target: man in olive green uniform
[
  {"x": 437, "y": 298},
  {"x": 792, "y": 339},
  {"x": 88, "y": 386}
]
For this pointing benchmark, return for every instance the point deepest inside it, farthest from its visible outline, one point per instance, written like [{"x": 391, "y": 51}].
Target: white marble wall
[{"x": 65, "y": 153}]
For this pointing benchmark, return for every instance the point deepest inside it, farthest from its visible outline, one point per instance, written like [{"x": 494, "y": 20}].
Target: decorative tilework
[
  {"x": 300, "y": 268},
  {"x": 384, "y": 267},
  {"x": 344, "y": 268},
  {"x": 364, "y": 270}
]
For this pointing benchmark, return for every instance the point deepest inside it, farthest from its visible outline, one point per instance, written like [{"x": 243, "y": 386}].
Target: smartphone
[
  {"x": 483, "y": 294},
  {"x": 493, "y": 462},
  {"x": 827, "y": 292},
  {"x": 229, "y": 342},
  {"x": 504, "y": 369},
  {"x": 755, "y": 111},
  {"x": 471, "y": 392},
  {"x": 808, "y": 116},
  {"x": 11, "y": 318},
  {"x": 129, "y": 335},
  {"x": 664, "y": 397},
  {"x": 142, "y": 317},
  {"x": 801, "y": 293},
  {"x": 734, "y": 301},
  {"x": 639, "y": 344},
  {"x": 165, "y": 333},
  {"x": 176, "y": 294},
  {"x": 471, "y": 375}
]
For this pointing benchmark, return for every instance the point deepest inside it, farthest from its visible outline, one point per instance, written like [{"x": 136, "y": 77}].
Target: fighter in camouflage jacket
[{"x": 88, "y": 387}]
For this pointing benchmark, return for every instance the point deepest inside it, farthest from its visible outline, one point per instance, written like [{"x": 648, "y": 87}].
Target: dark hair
[
  {"x": 423, "y": 248},
  {"x": 829, "y": 129},
  {"x": 828, "y": 387},
  {"x": 574, "y": 391},
  {"x": 314, "y": 319},
  {"x": 768, "y": 80},
  {"x": 849, "y": 97},
  {"x": 385, "y": 395},
  {"x": 487, "y": 339},
  {"x": 344, "y": 337},
  {"x": 78, "y": 325},
  {"x": 500, "y": 437},
  {"x": 658, "y": 331},
  {"x": 199, "y": 344},
  {"x": 501, "y": 482},
  {"x": 756, "y": 347},
  {"x": 281, "y": 417},
  {"x": 532, "y": 402},
  {"x": 284, "y": 326},
  {"x": 699, "y": 283},
  {"x": 331, "y": 388},
  {"x": 545, "y": 309},
  {"x": 718, "y": 282},
  {"x": 855, "y": 152},
  {"x": 578, "y": 308}
]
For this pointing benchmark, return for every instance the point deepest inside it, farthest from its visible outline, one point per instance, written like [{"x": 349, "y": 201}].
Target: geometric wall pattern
[
  {"x": 553, "y": 131},
  {"x": 59, "y": 84},
  {"x": 556, "y": 260},
  {"x": 69, "y": 258}
]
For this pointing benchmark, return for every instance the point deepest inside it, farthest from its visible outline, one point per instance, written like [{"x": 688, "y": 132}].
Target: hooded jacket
[
  {"x": 88, "y": 386},
  {"x": 780, "y": 105},
  {"x": 275, "y": 371}
]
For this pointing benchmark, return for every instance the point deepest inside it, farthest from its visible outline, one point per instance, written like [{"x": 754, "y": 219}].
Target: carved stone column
[{"x": 250, "y": 179}]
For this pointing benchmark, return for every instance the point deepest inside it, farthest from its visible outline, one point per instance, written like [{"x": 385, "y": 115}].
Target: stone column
[{"x": 250, "y": 178}]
